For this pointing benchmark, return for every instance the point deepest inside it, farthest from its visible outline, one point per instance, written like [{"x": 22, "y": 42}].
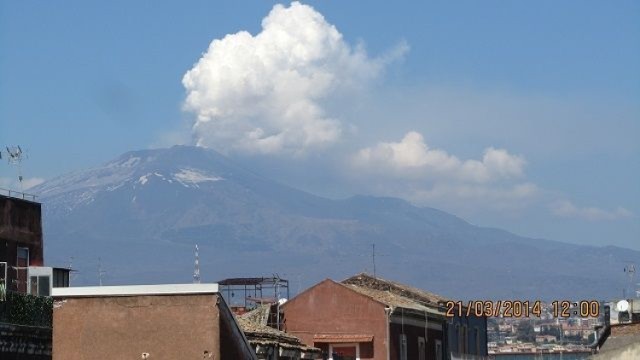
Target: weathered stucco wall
[
  {"x": 167, "y": 327},
  {"x": 331, "y": 308}
]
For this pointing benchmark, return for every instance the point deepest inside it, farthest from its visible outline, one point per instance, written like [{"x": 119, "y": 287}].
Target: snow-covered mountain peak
[
  {"x": 187, "y": 177},
  {"x": 184, "y": 166},
  {"x": 194, "y": 176}
]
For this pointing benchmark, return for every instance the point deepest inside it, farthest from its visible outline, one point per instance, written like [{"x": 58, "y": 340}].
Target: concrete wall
[
  {"x": 167, "y": 327},
  {"x": 331, "y": 308}
]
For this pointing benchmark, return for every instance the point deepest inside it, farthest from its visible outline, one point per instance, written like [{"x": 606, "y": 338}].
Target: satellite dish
[{"x": 622, "y": 306}]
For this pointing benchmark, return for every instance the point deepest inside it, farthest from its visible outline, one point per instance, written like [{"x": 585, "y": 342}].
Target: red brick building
[{"x": 370, "y": 318}]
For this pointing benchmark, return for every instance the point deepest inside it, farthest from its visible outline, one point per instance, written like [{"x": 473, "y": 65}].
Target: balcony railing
[{"x": 17, "y": 194}]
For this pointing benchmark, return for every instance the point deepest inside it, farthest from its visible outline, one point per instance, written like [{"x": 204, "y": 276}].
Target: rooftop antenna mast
[
  {"x": 196, "y": 268},
  {"x": 70, "y": 267},
  {"x": 375, "y": 254},
  {"x": 101, "y": 272},
  {"x": 630, "y": 270},
  {"x": 15, "y": 157},
  {"x": 373, "y": 258}
]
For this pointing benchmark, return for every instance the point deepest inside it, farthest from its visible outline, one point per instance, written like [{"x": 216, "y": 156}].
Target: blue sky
[{"x": 551, "y": 87}]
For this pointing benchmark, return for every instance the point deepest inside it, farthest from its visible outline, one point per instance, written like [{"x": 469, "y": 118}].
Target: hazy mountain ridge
[{"x": 142, "y": 212}]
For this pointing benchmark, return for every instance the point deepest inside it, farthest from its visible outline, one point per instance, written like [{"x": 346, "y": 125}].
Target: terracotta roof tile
[
  {"x": 394, "y": 294},
  {"x": 254, "y": 325}
]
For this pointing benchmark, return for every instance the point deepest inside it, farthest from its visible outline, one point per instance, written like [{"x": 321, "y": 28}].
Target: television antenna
[
  {"x": 72, "y": 275},
  {"x": 373, "y": 258},
  {"x": 15, "y": 155},
  {"x": 196, "y": 267},
  {"x": 101, "y": 272},
  {"x": 630, "y": 270}
]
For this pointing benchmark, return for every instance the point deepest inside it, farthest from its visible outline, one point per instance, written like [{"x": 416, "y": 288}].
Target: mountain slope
[{"x": 142, "y": 213}]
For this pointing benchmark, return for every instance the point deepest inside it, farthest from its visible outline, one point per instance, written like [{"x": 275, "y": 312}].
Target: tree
[{"x": 526, "y": 332}]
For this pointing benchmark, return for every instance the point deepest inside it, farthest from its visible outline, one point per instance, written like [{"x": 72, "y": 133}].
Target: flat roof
[{"x": 134, "y": 290}]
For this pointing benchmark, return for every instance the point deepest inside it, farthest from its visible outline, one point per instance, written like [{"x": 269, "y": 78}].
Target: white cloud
[
  {"x": 474, "y": 198},
  {"x": 14, "y": 184},
  {"x": 266, "y": 93},
  {"x": 412, "y": 170},
  {"x": 567, "y": 209},
  {"x": 413, "y": 157},
  {"x": 511, "y": 192}
]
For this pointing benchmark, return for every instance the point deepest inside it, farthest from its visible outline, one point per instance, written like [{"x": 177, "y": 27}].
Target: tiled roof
[
  {"x": 394, "y": 294},
  {"x": 254, "y": 325},
  {"x": 625, "y": 329}
]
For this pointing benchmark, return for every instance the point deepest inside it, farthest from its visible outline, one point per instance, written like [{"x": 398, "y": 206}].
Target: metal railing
[{"x": 17, "y": 194}]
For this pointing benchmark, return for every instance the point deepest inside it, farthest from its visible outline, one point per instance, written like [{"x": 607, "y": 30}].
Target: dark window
[
  {"x": 21, "y": 269},
  {"x": 43, "y": 285},
  {"x": 60, "y": 278},
  {"x": 23, "y": 256},
  {"x": 422, "y": 349},
  {"x": 403, "y": 347},
  {"x": 3, "y": 272}
]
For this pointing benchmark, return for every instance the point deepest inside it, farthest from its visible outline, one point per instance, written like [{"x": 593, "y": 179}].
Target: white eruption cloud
[
  {"x": 267, "y": 93},
  {"x": 14, "y": 184}
]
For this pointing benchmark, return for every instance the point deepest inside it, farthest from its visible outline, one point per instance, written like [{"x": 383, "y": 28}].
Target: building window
[
  {"x": 3, "y": 272},
  {"x": 344, "y": 351},
  {"x": 60, "y": 278},
  {"x": 403, "y": 347},
  {"x": 23, "y": 257},
  {"x": 439, "y": 350},
  {"x": 465, "y": 341},
  {"x": 44, "y": 284},
  {"x": 422, "y": 349},
  {"x": 22, "y": 264},
  {"x": 40, "y": 285},
  {"x": 478, "y": 341},
  {"x": 3, "y": 281},
  {"x": 34, "y": 285}
]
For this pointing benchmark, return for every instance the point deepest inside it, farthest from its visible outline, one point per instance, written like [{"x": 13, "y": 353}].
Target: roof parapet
[{"x": 135, "y": 290}]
